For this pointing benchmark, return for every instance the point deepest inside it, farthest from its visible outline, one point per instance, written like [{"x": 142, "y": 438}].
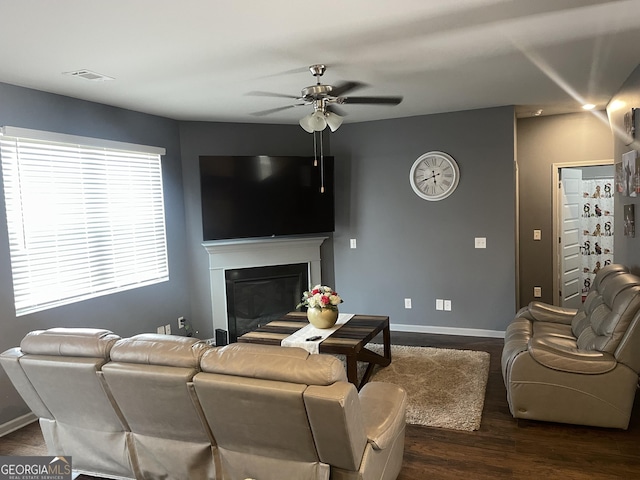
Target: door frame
[{"x": 555, "y": 206}]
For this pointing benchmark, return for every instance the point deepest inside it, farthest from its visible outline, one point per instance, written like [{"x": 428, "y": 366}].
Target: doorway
[{"x": 583, "y": 224}]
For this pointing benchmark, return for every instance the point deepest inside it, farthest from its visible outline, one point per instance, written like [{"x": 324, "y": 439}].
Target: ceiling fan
[{"x": 324, "y": 99}]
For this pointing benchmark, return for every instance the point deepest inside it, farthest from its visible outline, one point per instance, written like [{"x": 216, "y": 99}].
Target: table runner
[{"x": 299, "y": 338}]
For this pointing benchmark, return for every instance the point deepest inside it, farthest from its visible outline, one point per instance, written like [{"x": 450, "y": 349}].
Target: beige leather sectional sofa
[
  {"x": 167, "y": 407},
  {"x": 577, "y": 366}
]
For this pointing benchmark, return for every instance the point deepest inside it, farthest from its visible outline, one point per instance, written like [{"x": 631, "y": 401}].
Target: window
[{"x": 85, "y": 217}]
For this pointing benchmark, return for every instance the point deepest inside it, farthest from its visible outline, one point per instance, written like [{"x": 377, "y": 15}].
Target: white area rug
[{"x": 445, "y": 388}]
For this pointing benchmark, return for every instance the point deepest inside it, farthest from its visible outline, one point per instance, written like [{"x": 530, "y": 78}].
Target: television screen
[{"x": 265, "y": 196}]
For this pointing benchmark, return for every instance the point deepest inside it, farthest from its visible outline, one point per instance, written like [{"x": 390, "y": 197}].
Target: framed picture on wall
[
  {"x": 630, "y": 174},
  {"x": 629, "y": 220},
  {"x": 619, "y": 179},
  {"x": 631, "y": 125}
]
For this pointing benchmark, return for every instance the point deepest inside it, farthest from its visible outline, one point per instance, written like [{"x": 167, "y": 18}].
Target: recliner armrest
[
  {"x": 544, "y": 312},
  {"x": 561, "y": 353},
  {"x": 383, "y": 410}
]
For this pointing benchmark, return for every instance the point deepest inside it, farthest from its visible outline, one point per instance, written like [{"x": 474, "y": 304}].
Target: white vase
[{"x": 322, "y": 317}]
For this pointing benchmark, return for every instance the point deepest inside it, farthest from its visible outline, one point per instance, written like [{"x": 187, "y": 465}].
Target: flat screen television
[{"x": 265, "y": 196}]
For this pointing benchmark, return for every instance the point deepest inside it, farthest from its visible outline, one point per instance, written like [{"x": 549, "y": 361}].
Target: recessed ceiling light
[
  {"x": 588, "y": 106},
  {"x": 89, "y": 75}
]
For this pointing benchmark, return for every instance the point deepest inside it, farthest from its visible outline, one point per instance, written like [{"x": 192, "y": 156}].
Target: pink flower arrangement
[{"x": 320, "y": 296}]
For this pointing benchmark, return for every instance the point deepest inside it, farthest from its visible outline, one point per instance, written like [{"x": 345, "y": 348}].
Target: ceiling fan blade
[
  {"x": 273, "y": 110},
  {"x": 336, "y": 110},
  {"x": 345, "y": 87},
  {"x": 271, "y": 94},
  {"x": 287, "y": 72},
  {"x": 370, "y": 100}
]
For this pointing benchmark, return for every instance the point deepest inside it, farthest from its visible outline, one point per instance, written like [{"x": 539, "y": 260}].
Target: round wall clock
[{"x": 434, "y": 176}]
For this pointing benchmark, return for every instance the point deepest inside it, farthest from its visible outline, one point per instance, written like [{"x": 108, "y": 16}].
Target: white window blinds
[{"x": 85, "y": 217}]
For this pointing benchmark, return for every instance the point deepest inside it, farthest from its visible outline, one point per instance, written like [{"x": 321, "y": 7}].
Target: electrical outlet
[
  {"x": 181, "y": 322},
  {"x": 407, "y": 303},
  {"x": 160, "y": 330},
  {"x": 481, "y": 242},
  {"x": 537, "y": 292},
  {"x": 447, "y": 305},
  {"x": 439, "y": 304},
  {"x": 167, "y": 329}
]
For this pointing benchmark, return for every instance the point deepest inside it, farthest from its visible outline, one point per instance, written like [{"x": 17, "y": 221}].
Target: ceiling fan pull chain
[
  {"x": 321, "y": 165},
  {"x": 315, "y": 151}
]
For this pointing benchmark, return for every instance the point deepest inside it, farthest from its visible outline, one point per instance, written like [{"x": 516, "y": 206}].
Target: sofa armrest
[
  {"x": 383, "y": 411},
  {"x": 544, "y": 312},
  {"x": 562, "y": 353},
  {"x": 10, "y": 360}
]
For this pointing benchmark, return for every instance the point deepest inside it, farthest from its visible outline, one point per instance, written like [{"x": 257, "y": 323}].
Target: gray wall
[
  {"x": 626, "y": 249},
  {"x": 407, "y": 247},
  {"x": 126, "y": 313},
  {"x": 411, "y": 248},
  {"x": 543, "y": 141},
  {"x": 206, "y": 138}
]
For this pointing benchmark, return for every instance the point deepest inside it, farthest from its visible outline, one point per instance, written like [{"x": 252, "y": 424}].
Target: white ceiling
[{"x": 198, "y": 59}]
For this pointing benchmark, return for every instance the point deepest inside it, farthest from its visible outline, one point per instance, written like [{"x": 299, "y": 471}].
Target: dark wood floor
[{"x": 502, "y": 448}]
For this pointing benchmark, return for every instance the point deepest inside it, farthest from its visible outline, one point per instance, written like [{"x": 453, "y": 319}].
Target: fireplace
[
  {"x": 233, "y": 255},
  {"x": 258, "y": 295}
]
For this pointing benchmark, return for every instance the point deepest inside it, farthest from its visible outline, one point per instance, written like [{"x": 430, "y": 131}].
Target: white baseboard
[
  {"x": 465, "y": 332},
  {"x": 17, "y": 423}
]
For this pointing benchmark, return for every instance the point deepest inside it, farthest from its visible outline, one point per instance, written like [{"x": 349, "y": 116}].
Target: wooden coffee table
[{"x": 348, "y": 340}]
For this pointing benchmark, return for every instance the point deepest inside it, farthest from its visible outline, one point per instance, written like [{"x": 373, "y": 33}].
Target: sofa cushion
[
  {"x": 609, "y": 321},
  {"x": 543, "y": 312},
  {"x": 70, "y": 342},
  {"x": 162, "y": 350},
  {"x": 562, "y": 353},
  {"x": 595, "y": 297},
  {"x": 284, "y": 364}
]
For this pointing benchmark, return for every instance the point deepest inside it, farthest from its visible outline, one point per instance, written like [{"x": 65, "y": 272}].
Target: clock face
[{"x": 434, "y": 176}]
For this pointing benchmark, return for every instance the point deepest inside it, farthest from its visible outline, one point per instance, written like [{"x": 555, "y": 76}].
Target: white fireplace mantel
[{"x": 256, "y": 252}]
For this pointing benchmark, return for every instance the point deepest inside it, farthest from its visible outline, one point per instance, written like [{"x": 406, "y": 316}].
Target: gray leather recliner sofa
[
  {"x": 58, "y": 373},
  {"x": 150, "y": 378},
  {"x": 577, "y": 366},
  {"x": 155, "y": 406},
  {"x": 282, "y": 413}
]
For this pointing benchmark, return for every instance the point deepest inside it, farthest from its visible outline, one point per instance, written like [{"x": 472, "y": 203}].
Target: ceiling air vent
[{"x": 89, "y": 75}]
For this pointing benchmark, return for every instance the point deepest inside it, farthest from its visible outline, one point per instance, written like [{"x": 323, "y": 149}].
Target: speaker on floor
[{"x": 221, "y": 337}]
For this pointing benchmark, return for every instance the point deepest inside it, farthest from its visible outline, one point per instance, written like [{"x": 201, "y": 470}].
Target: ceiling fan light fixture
[
  {"x": 333, "y": 120},
  {"x": 317, "y": 121},
  {"x": 305, "y": 123}
]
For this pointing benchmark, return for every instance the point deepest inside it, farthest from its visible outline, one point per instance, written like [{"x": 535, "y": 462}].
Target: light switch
[
  {"x": 481, "y": 242},
  {"x": 537, "y": 234},
  {"x": 439, "y": 304},
  {"x": 447, "y": 305},
  {"x": 352, "y": 243},
  {"x": 537, "y": 292}
]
